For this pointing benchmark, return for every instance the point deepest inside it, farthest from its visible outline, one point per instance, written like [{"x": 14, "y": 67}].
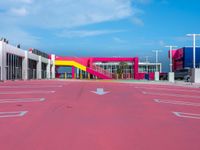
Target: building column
[
  {"x": 136, "y": 68},
  {"x": 49, "y": 69},
  {"x": 171, "y": 77},
  {"x": 156, "y": 76},
  {"x": 3, "y": 58},
  {"x": 25, "y": 66},
  {"x": 195, "y": 78},
  {"x": 53, "y": 57},
  {"x": 73, "y": 72},
  {"x": 39, "y": 68},
  {"x": 1, "y": 61}
]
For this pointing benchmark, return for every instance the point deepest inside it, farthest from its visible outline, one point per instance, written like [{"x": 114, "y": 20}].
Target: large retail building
[
  {"x": 183, "y": 58},
  {"x": 19, "y": 64}
]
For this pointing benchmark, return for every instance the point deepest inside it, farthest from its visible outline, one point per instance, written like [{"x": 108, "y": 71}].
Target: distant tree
[{"x": 122, "y": 67}]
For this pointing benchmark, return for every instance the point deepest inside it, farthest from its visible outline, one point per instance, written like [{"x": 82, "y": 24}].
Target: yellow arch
[{"x": 70, "y": 63}]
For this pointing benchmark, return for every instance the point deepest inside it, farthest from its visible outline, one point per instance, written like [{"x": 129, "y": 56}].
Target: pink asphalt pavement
[{"x": 71, "y": 117}]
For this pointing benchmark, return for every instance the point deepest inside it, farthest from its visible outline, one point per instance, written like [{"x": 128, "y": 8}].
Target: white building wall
[
  {"x": 7, "y": 48},
  {"x": 14, "y": 50},
  {"x": 49, "y": 69},
  {"x": 44, "y": 60},
  {"x": 39, "y": 68},
  {"x": 148, "y": 64},
  {"x": 1, "y": 61},
  {"x": 33, "y": 56},
  {"x": 25, "y": 66},
  {"x": 53, "y": 57}
]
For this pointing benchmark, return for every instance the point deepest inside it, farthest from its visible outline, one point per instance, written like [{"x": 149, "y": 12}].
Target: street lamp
[
  {"x": 156, "y": 51},
  {"x": 194, "y": 48},
  {"x": 171, "y": 48},
  {"x": 147, "y": 61}
]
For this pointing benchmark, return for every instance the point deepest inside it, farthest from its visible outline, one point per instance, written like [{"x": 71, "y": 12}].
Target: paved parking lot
[{"x": 81, "y": 115}]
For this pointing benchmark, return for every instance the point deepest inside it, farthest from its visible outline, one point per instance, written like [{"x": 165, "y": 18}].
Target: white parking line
[
  {"x": 187, "y": 115},
  {"x": 17, "y": 100},
  {"x": 27, "y": 92},
  {"x": 166, "y": 89},
  {"x": 174, "y": 95},
  {"x": 177, "y": 102},
  {"x": 31, "y": 86},
  {"x": 12, "y": 114}
]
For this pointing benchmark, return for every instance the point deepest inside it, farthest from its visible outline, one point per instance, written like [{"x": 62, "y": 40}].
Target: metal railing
[{"x": 103, "y": 71}]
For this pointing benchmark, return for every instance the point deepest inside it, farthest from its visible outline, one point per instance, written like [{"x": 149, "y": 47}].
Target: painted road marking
[
  {"x": 32, "y": 86},
  {"x": 187, "y": 115},
  {"x": 27, "y": 92},
  {"x": 100, "y": 91},
  {"x": 17, "y": 100},
  {"x": 166, "y": 89},
  {"x": 175, "y": 95},
  {"x": 177, "y": 102},
  {"x": 12, "y": 114}
]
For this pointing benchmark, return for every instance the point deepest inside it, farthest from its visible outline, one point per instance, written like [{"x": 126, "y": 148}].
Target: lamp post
[
  {"x": 147, "y": 61},
  {"x": 194, "y": 48},
  {"x": 171, "y": 73},
  {"x": 156, "y": 73},
  {"x": 146, "y": 58},
  {"x": 170, "y": 53},
  {"x": 156, "y": 51},
  {"x": 195, "y": 76}
]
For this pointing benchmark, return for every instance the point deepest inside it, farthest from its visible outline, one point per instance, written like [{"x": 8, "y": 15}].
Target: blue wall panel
[{"x": 188, "y": 57}]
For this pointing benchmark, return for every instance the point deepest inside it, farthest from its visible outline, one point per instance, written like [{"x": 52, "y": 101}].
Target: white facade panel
[
  {"x": 25, "y": 55},
  {"x": 33, "y": 56},
  {"x": 14, "y": 50},
  {"x": 1, "y": 61},
  {"x": 44, "y": 60}
]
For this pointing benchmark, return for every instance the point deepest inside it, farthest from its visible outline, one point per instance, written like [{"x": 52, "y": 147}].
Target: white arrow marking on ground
[
  {"x": 175, "y": 95},
  {"x": 100, "y": 91},
  {"x": 177, "y": 102},
  {"x": 18, "y": 100},
  {"x": 165, "y": 89},
  {"x": 187, "y": 115},
  {"x": 12, "y": 114},
  {"x": 26, "y": 92},
  {"x": 32, "y": 86}
]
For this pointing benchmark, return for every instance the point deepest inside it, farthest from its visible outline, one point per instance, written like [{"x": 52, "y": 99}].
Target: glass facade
[
  {"x": 13, "y": 67},
  {"x": 32, "y": 69},
  {"x": 114, "y": 67},
  {"x": 44, "y": 70},
  {"x": 148, "y": 68}
]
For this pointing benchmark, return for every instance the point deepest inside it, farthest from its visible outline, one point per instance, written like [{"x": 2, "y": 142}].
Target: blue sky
[{"x": 100, "y": 28}]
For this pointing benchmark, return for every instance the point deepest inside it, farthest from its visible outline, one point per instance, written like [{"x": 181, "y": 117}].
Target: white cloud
[
  {"x": 119, "y": 40},
  {"x": 21, "y": 1},
  {"x": 162, "y": 43},
  {"x": 19, "y": 11},
  {"x": 18, "y": 36},
  {"x": 143, "y": 1},
  {"x": 70, "y": 13},
  {"x": 26, "y": 1},
  {"x": 137, "y": 21},
  {"x": 64, "y": 15},
  {"x": 85, "y": 33}
]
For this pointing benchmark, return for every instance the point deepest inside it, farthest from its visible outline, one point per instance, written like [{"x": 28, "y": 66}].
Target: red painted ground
[{"x": 73, "y": 118}]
